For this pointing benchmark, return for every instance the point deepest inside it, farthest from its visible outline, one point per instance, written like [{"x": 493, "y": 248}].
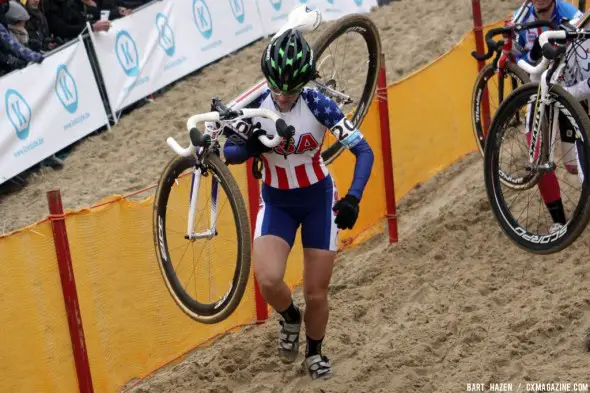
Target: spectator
[
  {"x": 13, "y": 55},
  {"x": 16, "y": 17},
  {"x": 38, "y": 27},
  {"x": 66, "y": 21},
  {"x": 93, "y": 8}
]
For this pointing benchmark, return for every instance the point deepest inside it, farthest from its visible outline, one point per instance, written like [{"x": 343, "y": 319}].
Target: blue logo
[
  {"x": 127, "y": 54},
  {"x": 303, "y": 1},
  {"x": 66, "y": 89},
  {"x": 203, "y": 18},
  {"x": 358, "y": 2},
  {"x": 331, "y": 1},
  {"x": 237, "y": 7},
  {"x": 166, "y": 34},
  {"x": 19, "y": 112},
  {"x": 276, "y": 4}
]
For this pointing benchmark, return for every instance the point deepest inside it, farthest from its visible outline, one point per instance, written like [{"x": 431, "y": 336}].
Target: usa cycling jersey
[
  {"x": 523, "y": 44},
  {"x": 301, "y": 164}
]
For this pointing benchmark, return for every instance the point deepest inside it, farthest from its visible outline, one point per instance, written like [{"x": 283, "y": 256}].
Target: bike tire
[
  {"x": 204, "y": 313},
  {"x": 486, "y": 73},
  {"x": 363, "y": 25},
  {"x": 526, "y": 240}
]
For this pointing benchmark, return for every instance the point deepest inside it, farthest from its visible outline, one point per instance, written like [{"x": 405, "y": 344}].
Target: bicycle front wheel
[
  {"x": 348, "y": 60},
  {"x": 206, "y": 273},
  {"x": 489, "y": 85},
  {"x": 550, "y": 207}
]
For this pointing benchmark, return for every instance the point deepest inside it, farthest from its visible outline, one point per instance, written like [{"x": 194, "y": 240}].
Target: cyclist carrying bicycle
[
  {"x": 526, "y": 46},
  {"x": 526, "y": 43},
  {"x": 298, "y": 190}
]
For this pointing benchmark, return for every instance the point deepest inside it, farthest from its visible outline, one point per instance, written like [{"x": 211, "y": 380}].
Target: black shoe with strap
[{"x": 318, "y": 367}]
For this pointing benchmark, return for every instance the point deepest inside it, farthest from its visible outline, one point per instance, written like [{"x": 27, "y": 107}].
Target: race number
[{"x": 347, "y": 134}]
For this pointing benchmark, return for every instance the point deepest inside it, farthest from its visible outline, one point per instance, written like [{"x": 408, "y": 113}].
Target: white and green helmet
[{"x": 288, "y": 62}]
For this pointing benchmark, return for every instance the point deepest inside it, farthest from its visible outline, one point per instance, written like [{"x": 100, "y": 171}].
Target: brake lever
[{"x": 225, "y": 113}]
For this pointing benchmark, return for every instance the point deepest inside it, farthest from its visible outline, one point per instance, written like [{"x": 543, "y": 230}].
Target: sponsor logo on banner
[
  {"x": 358, "y": 2},
  {"x": 67, "y": 93},
  {"x": 128, "y": 58},
  {"x": 237, "y": 7},
  {"x": 276, "y": 4},
  {"x": 127, "y": 54},
  {"x": 165, "y": 34},
  {"x": 203, "y": 18},
  {"x": 204, "y": 22},
  {"x": 167, "y": 40},
  {"x": 20, "y": 115},
  {"x": 66, "y": 89}
]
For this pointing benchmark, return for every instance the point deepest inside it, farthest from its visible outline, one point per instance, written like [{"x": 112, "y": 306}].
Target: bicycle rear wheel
[
  {"x": 207, "y": 292},
  {"x": 350, "y": 84},
  {"x": 540, "y": 188},
  {"x": 487, "y": 82}
]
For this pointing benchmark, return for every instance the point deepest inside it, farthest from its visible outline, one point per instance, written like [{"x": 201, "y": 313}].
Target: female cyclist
[{"x": 298, "y": 190}]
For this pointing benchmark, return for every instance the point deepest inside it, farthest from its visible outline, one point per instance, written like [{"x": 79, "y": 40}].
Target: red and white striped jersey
[{"x": 312, "y": 114}]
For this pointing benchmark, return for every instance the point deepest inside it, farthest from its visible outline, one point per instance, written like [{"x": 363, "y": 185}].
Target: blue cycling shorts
[{"x": 281, "y": 212}]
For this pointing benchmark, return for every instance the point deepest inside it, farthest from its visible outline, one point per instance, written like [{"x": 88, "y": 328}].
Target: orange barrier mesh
[
  {"x": 36, "y": 354},
  {"x": 430, "y": 117},
  {"x": 131, "y": 323}
]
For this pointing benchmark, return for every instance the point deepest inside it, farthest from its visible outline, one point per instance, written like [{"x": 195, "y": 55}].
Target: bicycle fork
[{"x": 194, "y": 193}]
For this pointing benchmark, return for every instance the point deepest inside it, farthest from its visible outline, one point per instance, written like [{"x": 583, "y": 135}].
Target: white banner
[
  {"x": 141, "y": 53},
  {"x": 163, "y": 42},
  {"x": 214, "y": 28},
  {"x": 47, "y": 107},
  {"x": 274, "y": 14}
]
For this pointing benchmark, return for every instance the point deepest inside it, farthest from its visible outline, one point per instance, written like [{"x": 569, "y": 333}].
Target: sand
[{"x": 454, "y": 302}]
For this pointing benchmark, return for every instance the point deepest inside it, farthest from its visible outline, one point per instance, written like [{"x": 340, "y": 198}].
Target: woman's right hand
[{"x": 253, "y": 144}]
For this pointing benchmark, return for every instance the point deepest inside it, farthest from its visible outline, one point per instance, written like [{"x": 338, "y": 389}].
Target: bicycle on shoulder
[
  {"x": 539, "y": 193},
  {"x": 195, "y": 219}
]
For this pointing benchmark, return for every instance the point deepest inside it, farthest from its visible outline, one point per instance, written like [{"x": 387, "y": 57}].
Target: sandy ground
[{"x": 453, "y": 303}]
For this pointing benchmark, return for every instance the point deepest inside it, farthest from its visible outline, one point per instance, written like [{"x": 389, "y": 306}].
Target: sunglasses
[{"x": 288, "y": 94}]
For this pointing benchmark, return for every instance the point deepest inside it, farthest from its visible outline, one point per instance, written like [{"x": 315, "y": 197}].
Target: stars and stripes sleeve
[{"x": 329, "y": 115}]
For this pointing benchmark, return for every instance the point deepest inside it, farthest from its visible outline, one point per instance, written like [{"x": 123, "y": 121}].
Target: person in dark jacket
[
  {"x": 66, "y": 21},
  {"x": 38, "y": 28},
  {"x": 13, "y": 55}
]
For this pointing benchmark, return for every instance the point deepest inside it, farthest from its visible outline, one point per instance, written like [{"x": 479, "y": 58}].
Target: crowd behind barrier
[{"x": 92, "y": 59}]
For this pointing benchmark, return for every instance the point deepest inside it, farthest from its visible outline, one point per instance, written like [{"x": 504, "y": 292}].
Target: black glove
[
  {"x": 253, "y": 145},
  {"x": 347, "y": 211},
  {"x": 536, "y": 52}
]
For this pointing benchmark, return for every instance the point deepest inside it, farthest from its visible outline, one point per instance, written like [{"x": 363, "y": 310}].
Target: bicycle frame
[{"x": 542, "y": 155}]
